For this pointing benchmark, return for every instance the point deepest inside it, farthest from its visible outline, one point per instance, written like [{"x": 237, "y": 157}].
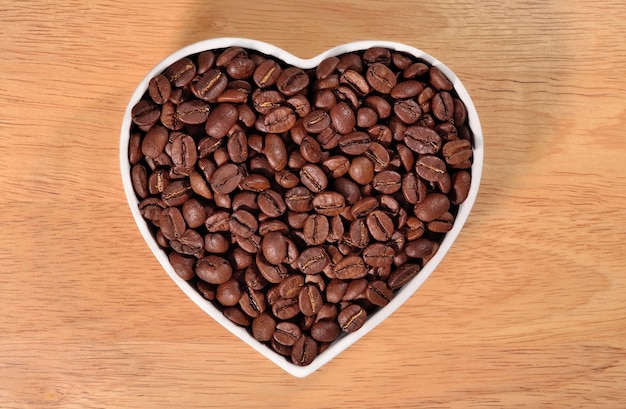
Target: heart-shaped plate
[{"x": 401, "y": 295}]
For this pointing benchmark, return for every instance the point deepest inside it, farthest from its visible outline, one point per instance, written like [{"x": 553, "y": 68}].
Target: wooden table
[{"x": 527, "y": 310}]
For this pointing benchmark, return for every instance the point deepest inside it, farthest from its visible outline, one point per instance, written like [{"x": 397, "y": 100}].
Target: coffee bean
[
  {"x": 159, "y": 89},
  {"x": 243, "y": 223},
  {"x": 438, "y": 80},
  {"x": 352, "y": 318},
  {"x": 304, "y": 351},
  {"x": 183, "y": 265},
  {"x": 422, "y": 139},
  {"x": 387, "y": 182},
  {"x": 214, "y": 269},
  {"x": 361, "y": 170},
  {"x": 313, "y": 177},
  {"x": 328, "y": 203},
  {"x": 442, "y": 106},
  {"x": 379, "y": 293},
  {"x": 354, "y": 143},
  {"x": 458, "y": 153},
  {"x": 381, "y": 78},
  {"x": 226, "y": 178},
  {"x": 350, "y": 268},
  {"x": 280, "y": 120},
  {"x": 343, "y": 118},
  {"x": 461, "y": 182},
  {"x": 286, "y": 308},
  {"x": 325, "y": 330},
  {"x": 433, "y": 206},
  {"x": 380, "y": 225},
  {"x": 315, "y": 230},
  {"x": 145, "y": 113},
  {"x": 229, "y": 293},
  {"x": 271, "y": 203},
  {"x": 378, "y": 255},
  {"x": 292, "y": 80},
  {"x": 310, "y": 300},
  {"x": 312, "y": 260},
  {"x": 430, "y": 167},
  {"x": 287, "y": 333},
  {"x": 263, "y": 327}
]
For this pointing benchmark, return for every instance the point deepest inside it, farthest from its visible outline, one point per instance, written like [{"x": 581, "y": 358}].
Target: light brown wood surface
[{"x": 527, "y": 310}]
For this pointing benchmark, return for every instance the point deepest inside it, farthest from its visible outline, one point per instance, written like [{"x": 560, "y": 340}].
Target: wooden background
[{"x": 527, "y": 310}]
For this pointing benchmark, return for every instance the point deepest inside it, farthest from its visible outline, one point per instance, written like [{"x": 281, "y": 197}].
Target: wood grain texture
[{"x": 526, "y": 311}]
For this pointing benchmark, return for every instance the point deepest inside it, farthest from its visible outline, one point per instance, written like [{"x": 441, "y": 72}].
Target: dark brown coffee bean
[
  {"x": 361, "y": 170},
  {"x": 461, "y": 182},
  {"x": 287, "y": 333},
  {"x": 229, "y": 293},
  {"x": 350, "y": 268},
  {"x": 380, "y": 78},
  {"x": 299, "y": 199},
  {"x": 194, "y": 213},
  {"x": 377, "y": 55},
  {"x": 438, "y": 80},
  {"x": 312, "y": 260},
  {"x": 379, "y": 293},
  {"x": 433, "y": 206},
  {"x": 193, "y": 112},
  {"x": 358, "y": 234},
  {"x": 335, "y": 290},
  {"x": 181, "y": 72},
  {"x": 355, "y": 290},
  {"x": 291, "y": 286},
  {"x": 160, "y": 89},
  {"x": 177, "y": 193},
  {"x": 408, "y": 111},
  {"x": 421, "y": 248},
  {"x": 286, "y": 179},
  {"x": 237, "y": 316},
  {"x": 253, "y": 302},
  {"x": 336, "y": 166},
  {"x": 442, "y": 224},
  {"x": 226, "y": 178},
  {"x": 355, "y": 81},
  {"x": 400, "y": 60},
  {"x": 366, "y": 117},
  {"x": 271, "y": 203},
  {"x": 183, "y": 150},
  {"x": 255, "y": 183},
  {"x": 325, "y": 330},
  {"x": 158, "y": 181},
  {"x": 316, "y": 228},
  {"x": 380, "y": 105},
  {"x": 313, "y": 177},
  {"x": 328, "y": 203},
  {"x": 316, "y": 121},
  {"x": 442, "y": 106},
  {"x": 406, "y": 89},
  {"x": 378, "y": 255},
  {"x": 274, "y": 247},
  {"x": 210, "y": 85},
  {"x": 216, "y": 243},
  {"x": 183, "y": 265},
  {"x": 266, "y": 101},
  {"x": 343, "y": 118},
  {"x": 279, "y": 120},
  {"x": 348, "y": 189},
  {"x": 355, "y": 143},
  {"x": 292, "y": 80},
  {"x": 336, "y": 230},
  {"x": 134, "y": 148},
  {"x": 214, "y": 269},
  {"x": 422, "y": 140},
  {"x": 145, "y": 113},
  {"x": 310, "y": 149},
  {"x": 430, "y": 167},
  {"x": 139, "y": 179},
  {"x": 240, "y": 68},
  {"x": 414, "y": 228},
  {"x": 276, "y": 152},
  {"x": 380, "y": 225},
  {"x": 266, "y": 73},
  {"x": 237, "y": 147},
  {"x": 243, "y": 223},
  {"x": 172, "y": 223},
  {"x": 326, "y": 67},
  {"x": 415, "y": 69},
  {"x": 304, "y": 351},
  {"x": 460, "y": 112},
  {"x": 364, "y": 206},
  {"x": 387, "y": 182},
  {"x": 286, "y": 308},
  {"x": 151, "y": 208},
  {"x": 310, "y": 300},
  {"x": 223, "y": 117},
  {"x": 189, "y": 243},
  {"x": 218, "y": 221},
  {"x": 263, "y": 327},
  {"x": 458, "y": 153},
  {"x": 352, "y": 318}
]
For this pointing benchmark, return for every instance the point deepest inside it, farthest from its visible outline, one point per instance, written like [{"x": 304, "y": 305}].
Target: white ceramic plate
[{"x": 404, "y": 293}]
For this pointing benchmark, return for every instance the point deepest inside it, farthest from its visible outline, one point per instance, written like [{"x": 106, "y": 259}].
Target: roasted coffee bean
[
  {"x": 433, "y": 206},
  {"x": 216, "y": 243},
  {"x": 274, "y": 247},
  {"x": 380, "y": 225},
  {"x": 438, "y": 80},
  {"x": 343, "y": 118},
  {"x": 310, "y": 300},
  {"x": 316, "y": 121},
  {"x": 315, "y": 230},
  {"x": 422, "y": 139},
  {"x": 361, "y": 170},
  {"x": 183, "y": 150},
  {"x": 379, "y": 293},
  {"x": 358, "y": 234},
  {"x": 266, "y": 73},
  {"x": 271, "y": 203},
  {"x": 380, "y": 78},
  {"x": 352, "y": 318},
  {"x": 355, "y": 289},
  {"x": 291, "y": 286},
  {"x": 229, "y": 293},
  {"x": 364, "y": 206},
  {"x": 350, "y": 268},
  {"x": 183, "y": 265},
  {"x": 160, "y": 89},
  {"x": 237, "y": 316},
  {"x": 299, "y": 199},
  {"x": 313, "y": 177},
  {"x": 366, "y": 117},
  {"x": 263, "y": 327},
  {"x": 378, "y": 255},
  {"x": 266, "y": 101},
  {"x": 442, "y": 106},
  {"x": 145, "y": 113},
  {"x": 210, "y": 85},
  {"x": 458, "y": 153},
  {"x": 151, "y": 208},
  {"x": 310, "y": 149},
  {"x": 223, "y": 117},
  {"x": 408, "y": 111},
  {"x": 406, "y": 89},
  {"x": 181, "y": 72},
  {"x": 326, "y": 330},
  {"x": 139, "y": 178},
  {"x": 441, "y": 224},
  {"x": 280, "y": 120},
  {"x": 328, "y": 203},
  {"x": 214, "y": 269},
  {"x": 243, "y": 223},
  {"x": 430, "y": 167},
  {"x": 154, "y": 142},
  {"x": 312, "y": 260},
  {"x": 355, "y": 81},
  {"x": 304, "y": 351},
  {"x": 287, "y": 333},
  {"x": 177, "y": 193},
  {"x": 354, "y": 143},
  {"x": 291, "y": 81},
  {"x": 255, "y": 183},
  {"x": 226, "y": 178},
  {"x": 461, "y": 182},
  {"x": 348, "y": 188},
  {"x": 387, "y": 182},
  {"x": 377, "y": 55},
  {"x": 336, "y": 166},
  {"x": 253, "y": 303},
  {"x": 326, "y": 67},
  {"x": 286, "y": 308}
]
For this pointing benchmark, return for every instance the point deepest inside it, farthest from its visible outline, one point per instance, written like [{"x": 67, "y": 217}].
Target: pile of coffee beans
[{"x": 298, "y": 201}]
